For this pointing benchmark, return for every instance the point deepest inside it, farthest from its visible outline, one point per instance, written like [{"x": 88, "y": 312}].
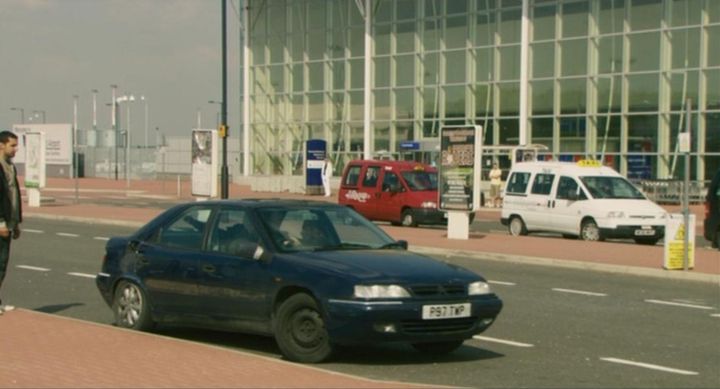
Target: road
[{"x": 560, "y": 328}]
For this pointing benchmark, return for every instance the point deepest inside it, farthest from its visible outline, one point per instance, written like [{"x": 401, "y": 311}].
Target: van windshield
[
  {"x": 420, "y": 180},
  {"x": 611, "y": 188}
]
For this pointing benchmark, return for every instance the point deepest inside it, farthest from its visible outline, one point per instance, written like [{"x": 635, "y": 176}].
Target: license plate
[
  {"x": 645, "y": 232},
  {"x": 446, "y": 311},
  {"x": 445, "y": 215}
]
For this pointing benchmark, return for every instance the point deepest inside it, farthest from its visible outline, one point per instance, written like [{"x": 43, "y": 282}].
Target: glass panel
[
  {"x": 431, "y": 75},
  {"x": 258, "y": 50},
  {"x": 405, "y": 41},
  {"x": 297, "y": 41},
  {"x": 610, "y": 54},
  {"x": 572, "y": 96},
  {"x": 644, "y": 51},
  {"x": 510, "y": 63},
  {"x": 574, "y": 57},
  {"x": 713, "y": 34},
  {"x": 316, "y": 13},
  {"x": 455, "y": 67},
  {"x": 686, "y": 12},
  {"x": 486, "y": 5},
  {"x": 276, "y": 78},
  {"x": 643, "y": 93},
  {"x": 543, "y": 24},
  {"x": 405, "y": 70},
  {"x": 383, "y": 11},
  {"x": 483, "y": 100},
  {"x": 430, "y": 103},
  {"x": 575, "y": 19},
  {"x": 406, "y": 9},
  {"x": 316, "y": 44},
  {"x": 484, "y": 64},
  {"x": 610, "y": 19},
  {"x": 315, "y": 107},
  {"x": 714, "y": 11},
  {"x": 356, "y": 105},
  {"x": 339, "y": 13},
  {"x": 509, "y": 131},
  {"x": 357, "y": 73},
  {"x": 296, "y": 103},
  {"x": 510, "y": 26},
  {"x": 485, "y": 30},
  {"x": 609, "y": 94},
  {"x": 509, "y": 98},
  {"x": 430, "y": 129},
  {"x": 542, "y": 97},
  {"x": 404, "y": 104},
  {"x": 683, "y": 86},
  {"x": 382, "y": 72},
  {"x": 645, "y": 14},
  {"x": 338, "y": 71},
  {"x": 456, "y": 32},
  {"x": 382, "y": 39},
  {"x": 543, "y": 59},
  {"x": 277, "y": 48},
  {"x": 433, "y": 8},
  {"x": 382, "y": 104},
  {"x": 338, "y": 106},
  {"x": 713, "y": 90},
  {"x": 712, "y": 129},
  {"x": 454, "y": 101},
  {"x": 572, "y": 134},
  {"x": 357, "y": 42},
  {"x": 338, "y": 43},
  {"x": 431, "y": 36},
  {"x": 542, "y": 131},
  {"x": 608, "y": 134},
  {"x": 382, "y": 136},
  {"x": 456, "y": 7},
  {"x": 315, "y": 73},
  {"x": 678, "y": 124},
  {"x": 642, "y": 133}
]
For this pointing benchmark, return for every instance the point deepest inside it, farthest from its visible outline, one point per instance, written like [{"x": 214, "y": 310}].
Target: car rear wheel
[
  {"x": 438, "y": 348},
  {"x": 647, "y": 241},
  {"x": 300, "y": 330},
  {"x": 590, "y": 231},
  {"x": 130, "y": 307},
  {"x": 517, "y": 226},
  {"x": 408, "y": 219}
]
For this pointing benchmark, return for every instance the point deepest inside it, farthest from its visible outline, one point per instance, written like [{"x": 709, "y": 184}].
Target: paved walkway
[{"x": 40, "y": 350}]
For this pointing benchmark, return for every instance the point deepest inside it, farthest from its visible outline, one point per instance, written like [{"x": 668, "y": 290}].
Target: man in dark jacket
[{"x": 10, "y": 203}]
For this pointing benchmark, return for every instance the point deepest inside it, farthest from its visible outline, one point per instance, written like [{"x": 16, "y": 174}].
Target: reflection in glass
[
  {"x": 405, "y": 70},
  {"x": 643, "y": 92},
  {"x": 575, "y": 19},
  {"x": 644, "y": 51},
  {"x": 509, "y": 98},
  {"x": 543, "y": 59},
  {"x": 574, "y": 57},
  {"x": 454, "y": 101},
  {"x": 572, "y": 96},
  {"x": 542, "y": 97},
  {"x": 642, "y": 133},
  {"x": 455, "y": 61},
  {"x": 541, "y": 130},
  {"x": 543, "y": 23}
]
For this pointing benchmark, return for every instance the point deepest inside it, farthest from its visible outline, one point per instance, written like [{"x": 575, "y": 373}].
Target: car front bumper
[
  {"x": 633, "y": 231},
  {"x": 354, "y": 322}
]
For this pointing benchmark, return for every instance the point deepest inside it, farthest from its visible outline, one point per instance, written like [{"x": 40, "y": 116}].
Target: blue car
[{"x": 312, "y": 274}]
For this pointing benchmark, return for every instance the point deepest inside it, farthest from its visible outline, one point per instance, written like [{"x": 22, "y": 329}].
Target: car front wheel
[
  {"x": 130, "y": 307},
  {"x": 517, "y": 226},
  {"x": 590, "y": 231},
  {"x": 300, "y": 330},
  {"x": 438, "y": 348}
]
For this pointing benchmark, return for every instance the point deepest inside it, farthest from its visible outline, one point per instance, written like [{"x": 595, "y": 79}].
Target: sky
[{"x": 168, "y": 51}]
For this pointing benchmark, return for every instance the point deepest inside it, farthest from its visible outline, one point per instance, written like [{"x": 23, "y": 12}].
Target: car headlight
[
  {"x": 380, "y": 291},
  {"x": 428, "y": 204},
  {"x": 615, "y": 214},
  {"x": 478, "y": 287}
]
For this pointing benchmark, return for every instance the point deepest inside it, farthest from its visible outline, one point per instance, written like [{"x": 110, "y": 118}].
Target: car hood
[
  {"x": 385, "y": 266},
  {"x": 631, "y": 207}
]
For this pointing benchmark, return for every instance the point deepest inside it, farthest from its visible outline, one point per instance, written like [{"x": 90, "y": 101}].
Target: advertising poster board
[
  {"x": 459, "y": 173},
  {"x": 34, "y": 145},
  {"x": 315, "y": 152},
  {"x": 204, "y": 152},
  {"x": 58, "y": 142},
  {"x": 674, "y": 246}
]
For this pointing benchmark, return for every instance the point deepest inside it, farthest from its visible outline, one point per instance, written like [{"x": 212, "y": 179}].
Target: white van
[{"x": 581, "y": 199}]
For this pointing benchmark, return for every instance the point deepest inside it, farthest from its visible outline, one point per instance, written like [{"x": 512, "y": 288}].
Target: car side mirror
[
  {"x": 403, "y": 244},
  {"x": 254, "y": 251}
]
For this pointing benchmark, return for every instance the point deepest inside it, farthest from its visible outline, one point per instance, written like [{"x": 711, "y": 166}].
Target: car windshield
[
  {"x": 601, "y": 187},
  {"x": 322, "y": 229},
  {"x": 421, "y": 180}
]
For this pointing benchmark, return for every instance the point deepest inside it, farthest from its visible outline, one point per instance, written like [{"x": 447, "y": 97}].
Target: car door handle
[{"x": 208, "y": 268}]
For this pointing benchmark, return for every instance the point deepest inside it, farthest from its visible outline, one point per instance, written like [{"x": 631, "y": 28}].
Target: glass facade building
[{"x": 603, "y": 78}]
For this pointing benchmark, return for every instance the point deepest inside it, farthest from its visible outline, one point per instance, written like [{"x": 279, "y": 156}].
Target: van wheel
[
  {"x": 408, "y": 220},
  {"x": 517, "y": 226},
  {"x": 590, "y": 231},
  {"x": 647, "y": 241}
]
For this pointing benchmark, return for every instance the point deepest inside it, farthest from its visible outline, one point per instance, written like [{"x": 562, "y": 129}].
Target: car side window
[
  {"x": 352, "y": 176},
  {"x": 186, "y": 231},
  {"x": 567, "y": 187},
  {"x": 233, "y": 233},
  {"x": 371, "y": 176},
  {"x": 542, "y": 184},
  {"x": 517, "y": 183}
]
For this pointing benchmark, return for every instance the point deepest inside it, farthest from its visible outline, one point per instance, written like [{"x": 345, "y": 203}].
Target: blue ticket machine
[{"x": 316, "y": 150}]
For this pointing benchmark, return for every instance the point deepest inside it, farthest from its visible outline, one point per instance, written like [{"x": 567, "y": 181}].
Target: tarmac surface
[{"x": 41, "y": 351}]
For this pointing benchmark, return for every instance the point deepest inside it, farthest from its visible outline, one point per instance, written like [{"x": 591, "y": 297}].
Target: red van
[{"x": 401, "y": 192}]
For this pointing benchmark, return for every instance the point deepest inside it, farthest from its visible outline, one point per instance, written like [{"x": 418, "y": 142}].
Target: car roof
[
  {"x": 565, "y": 167},
  {"x": 271, "y": 203},
  {"x": 400, "y": 165}
]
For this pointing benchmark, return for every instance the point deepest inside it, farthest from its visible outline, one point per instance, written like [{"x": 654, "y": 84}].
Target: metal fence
[{"x": 671, "y": 191}]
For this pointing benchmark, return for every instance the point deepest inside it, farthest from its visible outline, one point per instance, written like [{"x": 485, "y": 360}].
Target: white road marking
[
  {"x": 502, "y": 283},
  {"x": 67, "y": 234},
  {"x": 101, "y": 238},
  {"x": 502, "y": 341},
  {"x": 81, "y": 275},
  {"x": 678, "y": 304},
  {"x": 649, "y": 366},
  {"x": 33, "y": 231},
  {"x": 32, "y": 268},
  {"x": 586, "y": 293}
]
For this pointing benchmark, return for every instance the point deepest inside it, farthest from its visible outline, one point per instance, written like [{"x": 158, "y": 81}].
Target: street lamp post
[
  {"x": 74, "y": 148},
  {"x": 114, "y": 126},
  {"x": 129, "y": 99},
  {"x": 146, "y": 120},
  {"x": 22, "y": 113},
  {"x": 217, "y": 115}
]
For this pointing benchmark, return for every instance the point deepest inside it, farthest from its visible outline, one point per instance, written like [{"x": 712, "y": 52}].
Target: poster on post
[
  {"x": 34, "y": 145},
  {"x": 204, "y": 151},
  {"x": 674, "y": 246},
  {"x": 459, "y": 173}
]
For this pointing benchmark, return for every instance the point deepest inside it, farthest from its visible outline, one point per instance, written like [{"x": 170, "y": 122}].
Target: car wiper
[
  {"x": 392, "y": 245},
  {"x": 343, "y": 246}
]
